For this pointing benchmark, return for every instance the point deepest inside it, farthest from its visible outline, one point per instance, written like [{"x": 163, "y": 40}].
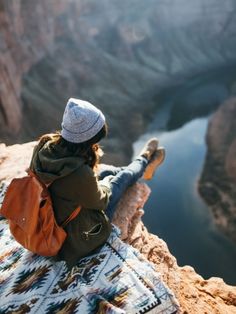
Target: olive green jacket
[{"x": 74, "y": 184}]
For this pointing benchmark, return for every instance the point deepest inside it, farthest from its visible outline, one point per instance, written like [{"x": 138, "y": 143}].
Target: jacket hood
[{"x": 51, "y": 162}]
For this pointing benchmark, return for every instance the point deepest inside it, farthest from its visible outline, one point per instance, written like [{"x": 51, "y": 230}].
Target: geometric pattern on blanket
[{"x": 117, "y": 279}]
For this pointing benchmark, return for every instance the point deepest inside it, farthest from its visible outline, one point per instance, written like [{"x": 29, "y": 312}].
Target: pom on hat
[{"x": 81, "y": 121}]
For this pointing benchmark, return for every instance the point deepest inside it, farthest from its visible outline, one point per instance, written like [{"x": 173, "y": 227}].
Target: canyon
[
  {"x": 119, "y": 56},
  {"x": 131, "y": 60}
]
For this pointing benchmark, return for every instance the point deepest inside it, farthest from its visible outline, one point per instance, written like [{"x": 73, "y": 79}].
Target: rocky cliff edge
[{"x": 195, "y": 294}]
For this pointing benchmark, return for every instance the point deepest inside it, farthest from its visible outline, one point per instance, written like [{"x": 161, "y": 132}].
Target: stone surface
[
  {"x": 217, "y": 184},
  {"x": 196, "y": 295},
  {"x": 14, "y": 160}
]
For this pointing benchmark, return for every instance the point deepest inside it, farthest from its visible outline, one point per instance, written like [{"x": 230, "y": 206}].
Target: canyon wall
[
  {"x": 28, "y": 32},
  {"x": 117, "y": 55},
  {"x": 217, "y": 184}
]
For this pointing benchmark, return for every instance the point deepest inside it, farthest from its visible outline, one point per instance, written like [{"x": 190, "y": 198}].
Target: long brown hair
[{"x": 89, "y": 150}]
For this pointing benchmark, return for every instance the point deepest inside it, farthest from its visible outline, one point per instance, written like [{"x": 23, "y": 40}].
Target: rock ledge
[{"x": 195, "y": 294}]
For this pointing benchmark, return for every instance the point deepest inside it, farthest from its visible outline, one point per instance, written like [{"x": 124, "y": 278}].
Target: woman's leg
[{"x": 122, "y": 180}]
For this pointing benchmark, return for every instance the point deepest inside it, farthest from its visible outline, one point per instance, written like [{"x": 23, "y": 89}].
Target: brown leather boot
[
  {"x": 149, "y": 148},
  {"x": 156, "y": 159}
]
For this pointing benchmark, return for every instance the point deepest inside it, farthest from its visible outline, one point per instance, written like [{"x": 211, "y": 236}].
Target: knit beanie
[{"x": 81, "y": 121}]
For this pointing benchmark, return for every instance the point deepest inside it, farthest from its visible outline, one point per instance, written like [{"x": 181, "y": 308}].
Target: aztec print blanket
[{"x": 117, "y": 279}]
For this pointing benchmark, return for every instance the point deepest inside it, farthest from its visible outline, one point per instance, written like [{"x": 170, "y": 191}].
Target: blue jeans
[{"x": 123, "y": 178}]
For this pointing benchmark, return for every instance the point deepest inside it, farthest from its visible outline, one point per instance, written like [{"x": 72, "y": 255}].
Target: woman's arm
[{"x": 90, "y": 192}]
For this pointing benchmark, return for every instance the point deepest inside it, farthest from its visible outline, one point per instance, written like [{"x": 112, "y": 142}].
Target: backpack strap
[
  {"x": 31, "y": 173},
  {"x": 72, "y": 215}
]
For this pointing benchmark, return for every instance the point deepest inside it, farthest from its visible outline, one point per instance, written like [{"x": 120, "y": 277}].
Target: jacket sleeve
[{"x": 91, "y": 193}]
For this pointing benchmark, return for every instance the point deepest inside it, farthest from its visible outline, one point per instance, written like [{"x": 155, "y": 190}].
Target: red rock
[{"x": 195, "y": 294}]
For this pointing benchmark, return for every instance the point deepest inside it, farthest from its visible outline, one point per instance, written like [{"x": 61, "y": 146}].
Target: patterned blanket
[{"x": 117, "y": 279}]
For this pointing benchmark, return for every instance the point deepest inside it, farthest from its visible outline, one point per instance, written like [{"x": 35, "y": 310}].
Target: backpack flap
[
  {"x": 21, "y": 202},
  {"x": 28, "y": 207}
]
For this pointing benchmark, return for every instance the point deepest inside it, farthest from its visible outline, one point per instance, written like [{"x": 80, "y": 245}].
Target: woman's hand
[{"x": 106, "y": 181}]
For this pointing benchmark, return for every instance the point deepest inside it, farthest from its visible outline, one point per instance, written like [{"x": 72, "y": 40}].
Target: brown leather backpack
[{"x": 28, "y": 207}]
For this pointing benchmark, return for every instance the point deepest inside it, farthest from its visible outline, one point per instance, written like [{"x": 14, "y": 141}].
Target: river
[{"x": 175, "y": 211}]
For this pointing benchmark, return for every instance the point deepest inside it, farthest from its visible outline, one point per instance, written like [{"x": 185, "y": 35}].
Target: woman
[{"x": 69, "y": 162}]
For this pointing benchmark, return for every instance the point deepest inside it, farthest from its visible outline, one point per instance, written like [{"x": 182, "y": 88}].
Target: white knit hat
[{"x": 81, "y": 121}]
